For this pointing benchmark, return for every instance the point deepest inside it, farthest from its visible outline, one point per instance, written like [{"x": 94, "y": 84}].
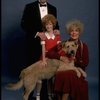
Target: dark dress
[{"x": 68, "y": 82}]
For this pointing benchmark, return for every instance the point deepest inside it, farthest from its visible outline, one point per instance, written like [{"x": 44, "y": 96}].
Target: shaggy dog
[{"x": 35, "y": 72}]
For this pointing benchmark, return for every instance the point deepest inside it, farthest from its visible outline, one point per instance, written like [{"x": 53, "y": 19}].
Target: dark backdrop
[{"x": 13, "y": 38}]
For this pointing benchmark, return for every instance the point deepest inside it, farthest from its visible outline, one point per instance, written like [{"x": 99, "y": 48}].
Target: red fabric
[
  {"x": 84, "y": 60},
  {"x": 51, "y": 47},
  {"x": 56, "y": 52},
  {"x": 50, "y": 43},
  {"x": 68, "y": 82}
]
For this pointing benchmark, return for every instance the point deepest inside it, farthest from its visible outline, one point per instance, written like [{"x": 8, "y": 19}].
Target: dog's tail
[{"x": 15, "y": 86}]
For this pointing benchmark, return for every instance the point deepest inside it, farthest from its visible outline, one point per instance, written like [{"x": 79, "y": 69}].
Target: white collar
[
  {"x": 43, "y": 4},
  {"x": 48, "y": 36}
]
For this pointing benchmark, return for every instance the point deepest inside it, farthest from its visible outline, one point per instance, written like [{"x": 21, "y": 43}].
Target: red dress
[
  {"x": 50, "y": 44},
  {"x": 68, "y": 82}
]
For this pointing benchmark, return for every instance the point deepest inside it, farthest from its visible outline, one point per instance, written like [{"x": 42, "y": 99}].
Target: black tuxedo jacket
[
  {"x": 31, "y": 24},
  {"x": 31, "y": 19}
]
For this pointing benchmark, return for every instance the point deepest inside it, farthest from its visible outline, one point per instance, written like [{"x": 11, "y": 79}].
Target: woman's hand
[{"x": 44, "y": 63}]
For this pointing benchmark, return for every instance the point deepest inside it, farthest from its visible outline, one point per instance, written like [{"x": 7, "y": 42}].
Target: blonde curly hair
[
  {"x": 74, "y": 24},
  {"x": 48, "y": 18}
]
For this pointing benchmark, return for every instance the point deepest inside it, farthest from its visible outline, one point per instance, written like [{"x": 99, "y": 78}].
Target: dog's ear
[
  {"x": 76, "y": 43},
  {"x": 63, "y": 43}
]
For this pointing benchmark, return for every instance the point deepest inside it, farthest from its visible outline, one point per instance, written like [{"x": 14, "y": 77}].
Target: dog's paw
[
  {"x": 83, "y": 72},
  {"x": 77, "y": 72}
]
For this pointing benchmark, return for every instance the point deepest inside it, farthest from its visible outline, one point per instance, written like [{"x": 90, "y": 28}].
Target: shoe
[
  {"x": 37, "y": 97},
  {"x": 32, "y": 98}
]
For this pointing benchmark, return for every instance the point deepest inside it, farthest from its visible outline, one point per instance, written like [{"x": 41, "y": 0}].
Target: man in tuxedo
[{"x": 31, "y": 24}]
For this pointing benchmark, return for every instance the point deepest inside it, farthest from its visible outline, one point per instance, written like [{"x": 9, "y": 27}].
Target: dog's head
[{"x": 69, "y": 47}]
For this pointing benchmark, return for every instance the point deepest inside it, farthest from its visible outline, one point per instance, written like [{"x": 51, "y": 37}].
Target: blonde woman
[{"x": 67, "y": 85}]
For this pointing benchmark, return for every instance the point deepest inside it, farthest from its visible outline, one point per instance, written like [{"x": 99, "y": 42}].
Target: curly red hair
[{"x": 48, "y": 18}]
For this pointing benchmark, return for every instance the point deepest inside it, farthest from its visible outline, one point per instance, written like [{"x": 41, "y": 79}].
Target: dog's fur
[{"x": 33, "y": 73}]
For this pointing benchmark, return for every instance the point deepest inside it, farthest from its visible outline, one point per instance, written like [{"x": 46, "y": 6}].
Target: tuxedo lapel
[{"x": 37, "y": 10}]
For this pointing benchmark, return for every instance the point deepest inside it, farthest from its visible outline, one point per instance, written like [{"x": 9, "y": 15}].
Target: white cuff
[
  {"x": 42, "y": 42},
  {"x": 58, "y": 42},
  {"x": 36, "y": 34}
]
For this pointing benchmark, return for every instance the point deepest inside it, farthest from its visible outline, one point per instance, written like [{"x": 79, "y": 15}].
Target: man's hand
[
  {"x": 56, "y": 32},
  {"x": 41, "y": 35}
]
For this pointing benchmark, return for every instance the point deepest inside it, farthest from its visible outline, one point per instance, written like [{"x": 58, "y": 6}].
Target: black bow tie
[{"x": 43, "y": 5}]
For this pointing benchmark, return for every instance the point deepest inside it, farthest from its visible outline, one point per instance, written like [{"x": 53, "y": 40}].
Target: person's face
[
  {"x": 49, "y": 26},
  {"x": 42, "y": 1},
  {"x": 74, "y": 33}
]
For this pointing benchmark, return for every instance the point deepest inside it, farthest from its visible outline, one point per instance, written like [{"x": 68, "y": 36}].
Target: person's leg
[
  {"x": 44, "y": 91},
  {"x": 50, "y": 88},
  {"x": 38, "y": 88},
  {"x": 31, "y": 96}
]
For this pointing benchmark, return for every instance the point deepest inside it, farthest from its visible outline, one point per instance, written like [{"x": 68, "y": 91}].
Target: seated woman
[{"x": 67, "y": 84}]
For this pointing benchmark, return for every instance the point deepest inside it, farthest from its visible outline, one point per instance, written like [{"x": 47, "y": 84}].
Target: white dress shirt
[{"x": 43, "y": 10}]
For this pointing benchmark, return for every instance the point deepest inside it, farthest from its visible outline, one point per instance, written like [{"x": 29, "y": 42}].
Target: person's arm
[
  {"x": 25, "y": 21},
  {"x": 57, "y": 24},
  {"x": 44, "y": 63},
  {"x": 43, "y": 50},
  {"x": 53, "y": 10},
  {"x": 40, "y": 35},
  {"x": 30, "y": 23},
  {"x": 84, "y": 60}
]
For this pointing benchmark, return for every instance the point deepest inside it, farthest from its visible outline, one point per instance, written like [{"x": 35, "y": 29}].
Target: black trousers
[{"x": 44, "y": 91}]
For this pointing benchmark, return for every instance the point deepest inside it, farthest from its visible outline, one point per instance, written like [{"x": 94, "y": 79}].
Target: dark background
[{"x": 13, "y": 38}]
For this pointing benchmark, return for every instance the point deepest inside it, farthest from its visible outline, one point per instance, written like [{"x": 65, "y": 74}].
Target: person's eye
[
  {"x": 73, "y": 45},
  {"x": 67, "y": 47}
]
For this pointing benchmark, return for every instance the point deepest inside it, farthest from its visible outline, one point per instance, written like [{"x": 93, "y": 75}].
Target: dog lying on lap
[{"x": 37, "y": 71}]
